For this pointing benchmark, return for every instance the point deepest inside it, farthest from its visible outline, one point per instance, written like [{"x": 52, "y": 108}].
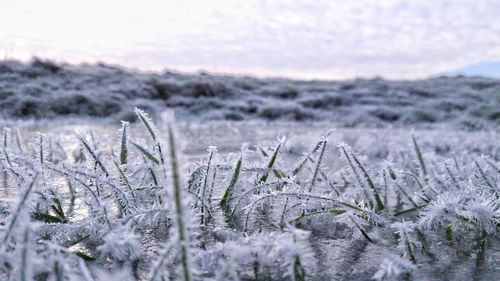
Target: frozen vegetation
[
  {"x": 406, "y": 188},
  {"x": 335, "y": 205},
  {"x": 43, "y": 89}
]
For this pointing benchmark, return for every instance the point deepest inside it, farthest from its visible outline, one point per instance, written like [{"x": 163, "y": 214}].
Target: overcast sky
[{"x": 304, "y": 39}]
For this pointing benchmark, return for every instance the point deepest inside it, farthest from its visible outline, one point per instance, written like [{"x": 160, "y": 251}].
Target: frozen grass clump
[
  {"x": 140, "y": 211},
  {"x": 286, "y": 112}
]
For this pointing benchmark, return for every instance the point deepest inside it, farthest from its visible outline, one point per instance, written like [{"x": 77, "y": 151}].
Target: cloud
[{"x": 320, "y": 38}]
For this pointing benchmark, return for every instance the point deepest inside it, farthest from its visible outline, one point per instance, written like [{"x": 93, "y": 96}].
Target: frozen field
[
  {"x": 42, "y": 89},
  {"x": 256, "y": 179},
  {"x": 245, "y": 241}
]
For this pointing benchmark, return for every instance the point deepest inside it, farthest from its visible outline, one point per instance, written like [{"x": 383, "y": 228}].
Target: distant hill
[
  {"x": 485, "y": 69},
  {"x": 47, "y": 90}
]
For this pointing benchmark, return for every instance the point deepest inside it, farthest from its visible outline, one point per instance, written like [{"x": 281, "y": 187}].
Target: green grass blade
[
  {"x": 407, "y": 211},
  {"x": 178, "y": 206},
  {"x": 124, "y": 178},
  {"x": 146, "y": 153},
  {"x": 123, "y": 145},
  {"x": 420, "y": 158},
  {"x": 15, "y": 215},
  {"x": 301, "y": 164},
  {"x": 449, "y": 234},
  {"x": 299, "y": 273},
  {"x": 47, "y": 218},
  {"x": 147, "y": 122},
  {"x": 73, "y": 243},
  {"x": 270, "y": 165},
  {"x": 84, "y": 256},
  {"x": 318, "y": 163},
  {"x": 234, "y": 180},
  {"x": 380, "y": 205},
  {"x": 93, "y": 154},
  {"x": 485, "y": 178}
]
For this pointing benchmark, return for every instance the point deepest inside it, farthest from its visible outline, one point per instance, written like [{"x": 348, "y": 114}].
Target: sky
[{"x": 324, "y": 39}]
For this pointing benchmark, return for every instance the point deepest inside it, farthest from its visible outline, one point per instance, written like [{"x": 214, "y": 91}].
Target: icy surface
[{"x": 43, "y": 89}]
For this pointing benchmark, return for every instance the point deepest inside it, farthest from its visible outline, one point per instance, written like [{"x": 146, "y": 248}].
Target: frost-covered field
[
  {"x": 42, "y": 89},
  {"x": 275, "y": 201},
  {"x": 249, "y": 182}
]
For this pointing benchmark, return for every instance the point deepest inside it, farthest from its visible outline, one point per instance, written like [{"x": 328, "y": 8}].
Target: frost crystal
[
  {"x": 122, "y": 244},
  {"x": 392, "y": 268}
]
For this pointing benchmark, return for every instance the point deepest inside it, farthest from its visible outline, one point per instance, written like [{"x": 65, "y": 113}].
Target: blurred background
[{"x": 324, "y": 39}]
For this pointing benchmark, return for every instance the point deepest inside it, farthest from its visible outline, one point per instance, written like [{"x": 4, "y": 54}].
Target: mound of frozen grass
[{"x": 140, "y": 212}]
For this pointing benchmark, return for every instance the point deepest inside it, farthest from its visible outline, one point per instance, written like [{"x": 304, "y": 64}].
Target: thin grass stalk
[
  {"x": 94, "y": 155},
  {"x": 5, "y": 175},
  {"x": 427, "y": 197},
  {"x": 146, "y": 153},
  {"x": 203, "y": 191},
  {"x": 420, "y": 158},
  {"x": 318, "y": 163},
  {"x": 452, "y": 177},
  {"x": 15, "y": 215},
  {"x": 283, "y": 213},
  {"x": 356, "y": 174},
  {"x": 306, "y": 158},
  {"x": 493, "y": 166},
  {"x": 424, "y": 244},
  {"x": 198, "y": 199},
  {"x": 72, "y": 193},
  {"x": 403, "y": 191},
  {"x": 148, "y": 123},
  {"x": 50, "y": 151},
  {"x": 270, "y": 165},
  {"x": 85, "y": 271},
  {"x": 386, "y": 189},
  {"x": 25, "y": 268},
  {"x": 18, "y": 141},
  {"x": 87, "y": 187},
  {"x": 325, "y": 178},
  {"x": 58, "y": 271},
  {"x": 5, "y": 136},
  {"x": 485, "y": 178},
  {"x": 299, "y": 273},
  {"x": 246, "y": 193},
  {"x": 41, "y": 155},
  {"x": 363, "y": 232},
  {"x": 84, "y": 184},
  {"x": 455, "y": 161},
  {"x": 123, "y": 144},
  {"x": 408, "y": 246},
  {"x": 158, "y": 268},
  {"x": 178, "y": 206},
  {"x": 380, "y": 205},
  {"x": 5, "y": 178},
  {"x": 212, "y": 186},
  {"x": 449, "y": 234},
  {"x": 10, "y": 167},
  {"x": 124, "y": 178},
  {"x": 234, "y": 179},
  {"x": 298, "y": 195},
  {"x": 481, "y": 242}
]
